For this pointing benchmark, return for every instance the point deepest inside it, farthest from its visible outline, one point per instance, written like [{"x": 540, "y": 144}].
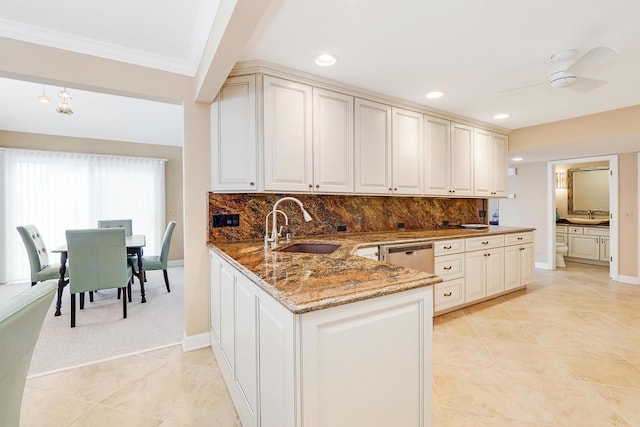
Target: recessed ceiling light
[
  {"x": 502, "y": 116},
  {"x": 434, "y": 94},
  {"x": 325, "y": 60},
  {"x": 517, "y": 159}
]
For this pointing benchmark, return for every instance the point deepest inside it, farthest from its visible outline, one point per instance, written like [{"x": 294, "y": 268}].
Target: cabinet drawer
[
  {"x": 518, "y": 238},
  {"x": 575, "y": 230},
  {"x": 562, "y": 228},
  {"x": 449, "y": 266},
  {"x": 448, "y": 294},
  {"x": 446, "y": 247},
  {"x": 561, "y": 238},
  {"x": 486, "y": 242},
  {"x": 594, "y": 231}
]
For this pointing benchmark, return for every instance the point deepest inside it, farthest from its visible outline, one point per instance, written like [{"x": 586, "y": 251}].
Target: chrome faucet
[
  {"x": 273, "y": 240},
  {"x": 590, "y": 213},
  {"x": 266, "y": 221}
]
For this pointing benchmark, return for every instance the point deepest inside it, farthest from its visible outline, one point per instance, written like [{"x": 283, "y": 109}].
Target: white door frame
[{"x": 613, "y": 208}]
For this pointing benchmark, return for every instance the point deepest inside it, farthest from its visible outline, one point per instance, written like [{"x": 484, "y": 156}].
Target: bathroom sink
[
  {"x": 311, "y": 248},
  {"x": 587, "y": 221}
]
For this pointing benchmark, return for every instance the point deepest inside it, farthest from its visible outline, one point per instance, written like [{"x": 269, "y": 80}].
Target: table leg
[
  {"x": 141, "y": 274},
  {"x": 61, "y": 281}
]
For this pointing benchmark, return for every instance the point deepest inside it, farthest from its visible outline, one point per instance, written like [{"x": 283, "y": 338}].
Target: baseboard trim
[
  {"x": 175, "y": 263},
  {"x": 543, "y": 265},
  {"x": 631, "y": 280},
  {"x": 195, "y": 342}
]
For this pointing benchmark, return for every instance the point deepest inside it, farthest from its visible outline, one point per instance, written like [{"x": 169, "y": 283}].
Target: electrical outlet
[
  {"x": 482, "y": 214},
  {"x": 225, "y": 220},
  {"x": 401, "y": 225},
  {"x": 342, "y": 228}
]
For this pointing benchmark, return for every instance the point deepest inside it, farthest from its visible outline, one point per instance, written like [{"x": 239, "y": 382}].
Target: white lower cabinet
[
  {"x": 327, "y": 367},
  {"x": 485, "y": 273},
  {"x": 519, "y": 260}
]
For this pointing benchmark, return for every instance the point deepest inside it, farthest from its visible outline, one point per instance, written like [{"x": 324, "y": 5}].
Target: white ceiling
[{"x": 473, "y": 50}]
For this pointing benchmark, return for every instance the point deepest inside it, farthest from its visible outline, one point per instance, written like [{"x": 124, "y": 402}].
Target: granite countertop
[{"x": 306, "y": 282}]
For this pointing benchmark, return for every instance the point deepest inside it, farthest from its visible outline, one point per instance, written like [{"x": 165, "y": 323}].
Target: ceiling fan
[{"x": 566, "y": 71}]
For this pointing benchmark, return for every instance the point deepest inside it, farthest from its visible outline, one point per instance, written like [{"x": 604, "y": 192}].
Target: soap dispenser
[{"x": 557, "y": 215}]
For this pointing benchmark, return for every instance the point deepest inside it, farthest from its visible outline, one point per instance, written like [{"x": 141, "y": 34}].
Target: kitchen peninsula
[{"x": 336, "y": 339}]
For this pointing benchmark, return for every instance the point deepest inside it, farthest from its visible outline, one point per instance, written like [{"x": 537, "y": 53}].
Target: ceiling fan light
[{"x": 563, "y": 81}]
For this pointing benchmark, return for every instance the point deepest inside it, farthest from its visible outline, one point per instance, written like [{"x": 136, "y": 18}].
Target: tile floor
[{"x": 564, "y": 352}]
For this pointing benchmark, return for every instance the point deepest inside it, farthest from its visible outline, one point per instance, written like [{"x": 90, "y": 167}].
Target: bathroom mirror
[{"x": 588, "y": 190}]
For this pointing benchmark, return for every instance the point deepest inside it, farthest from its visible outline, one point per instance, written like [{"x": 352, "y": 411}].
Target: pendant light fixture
[
  {"x": 64, "y": 107},
  {"x": 44, "y": 98}
]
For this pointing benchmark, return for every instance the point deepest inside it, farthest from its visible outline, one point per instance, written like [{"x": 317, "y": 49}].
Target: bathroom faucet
[
  {"x": 266, "y": 221},
  {"x": 590, "y": 213},
  {"x": 273, "y": 240}
]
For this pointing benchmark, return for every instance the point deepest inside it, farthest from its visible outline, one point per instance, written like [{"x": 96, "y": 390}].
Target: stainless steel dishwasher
[{"x": 418, "y": 256}]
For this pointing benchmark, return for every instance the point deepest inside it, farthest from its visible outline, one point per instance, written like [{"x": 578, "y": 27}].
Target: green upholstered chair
[
  {"x": 97, "y": 260},
  {"x": 127, "y": 224},
  {"x": 41, "y": 268},
  {"x": 159, "y": 262},
  {"x": 21, "y": 318}
]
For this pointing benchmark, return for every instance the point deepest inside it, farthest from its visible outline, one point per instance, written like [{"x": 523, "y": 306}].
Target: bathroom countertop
[{"x": 306, "y": 282}]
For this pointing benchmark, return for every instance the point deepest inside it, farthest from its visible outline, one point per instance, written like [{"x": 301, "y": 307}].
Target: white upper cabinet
[
  {"x": 437, "y": 159},
  {"x": 372, "y": 147},
  {"x": 288, "y": 162},
  {"x": 233, "y": 136},
  {"x": 332, "y": 142},
  {"x": 461, "y": 160},
  {"x": 407, "y": 152},
  {"x": 490, "y": 164}
]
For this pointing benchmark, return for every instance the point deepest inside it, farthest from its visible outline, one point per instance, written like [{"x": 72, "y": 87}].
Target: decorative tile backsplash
[{"x": 357, "y": 213}]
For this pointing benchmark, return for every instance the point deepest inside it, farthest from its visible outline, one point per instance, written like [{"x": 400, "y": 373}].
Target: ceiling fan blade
[
  {"x": 595, "y": 57},
  {"x": 522, "y": 88},
  {"x": 584, "y": 84}
]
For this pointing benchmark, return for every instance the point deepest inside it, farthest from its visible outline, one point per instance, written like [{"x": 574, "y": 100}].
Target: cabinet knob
[
  {"x": 519, "y": 238},
  {"x": 446, "y": 247},
  {"x": 390, "y": 189},
  {"x": 317, "y": 185},
  {"x": 485, "y": 243},
  {"x": 252, "y": 183},
  {"x": 310, "y": 185},
  {"x": 395, "y": 189},
  {"x": 447, "y": 294},
  {"x": 447, "y": 267}
]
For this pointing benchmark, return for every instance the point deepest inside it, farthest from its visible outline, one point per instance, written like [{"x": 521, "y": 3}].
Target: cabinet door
[
  {"x": 214, "y": 276},
  {"x": 407, "y": 152},
  {"x": 526, "y": 264},
  {"x": 512, "y": 267},
  {"x": 332, "y": 141},
  {"x": 482, "y": 156},
  {"x": 277, "y": 364},
  {"x": 233, "y": 136},
  {"x": 437, "y": 159},
  {"x": 605, "y": 252},
  {"x": 372, "y": 147},
  {"x": 495, "y": 271},
  {"x": 499, "y": 165},
  {"x": 287, "y": 135},
  {"x": 246, "y": 354},
  {"x": 475, "y": 275},
  {"x": 461, "y": 160},
  {"x": 227, "y": 337},
  {"x": 584, "y": 246}
]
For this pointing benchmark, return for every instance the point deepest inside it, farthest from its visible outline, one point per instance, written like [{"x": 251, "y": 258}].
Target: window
[{"x": 57, "y": 191}]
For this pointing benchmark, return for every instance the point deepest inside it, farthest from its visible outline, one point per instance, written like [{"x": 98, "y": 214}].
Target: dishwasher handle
[{"x": 409, "y": 249}]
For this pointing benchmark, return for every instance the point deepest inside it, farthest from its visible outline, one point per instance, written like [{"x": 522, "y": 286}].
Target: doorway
[{"x": 556, "y": 195}]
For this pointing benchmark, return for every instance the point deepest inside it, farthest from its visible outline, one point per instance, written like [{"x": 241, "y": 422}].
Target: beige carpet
[{"x": 102, "y": 333}]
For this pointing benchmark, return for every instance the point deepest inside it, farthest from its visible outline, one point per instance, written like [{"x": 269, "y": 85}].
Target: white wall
[{"x": 529, "y": 207}]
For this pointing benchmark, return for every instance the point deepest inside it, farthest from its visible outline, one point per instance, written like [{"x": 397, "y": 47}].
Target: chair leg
[
  {"x": 129, "y": 287},
  {"x": 81, "y": 300},
  {"x": 124, "y": 302},
  {"x": 119, "y": 292},
  {"x": 166, "y": 280},
  {"x": 33, "y": 283},
  {"x": 90, "y": 296},
  {"x": 73, "y": 310}
]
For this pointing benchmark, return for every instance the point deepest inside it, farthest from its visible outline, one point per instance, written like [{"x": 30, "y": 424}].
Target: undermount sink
[
  {"x": 587, "y": 221},
  {"x": 311, "y": 248}
]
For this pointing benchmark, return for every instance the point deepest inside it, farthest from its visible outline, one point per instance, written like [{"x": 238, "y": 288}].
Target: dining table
[{"x": 134, "y": 246}]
